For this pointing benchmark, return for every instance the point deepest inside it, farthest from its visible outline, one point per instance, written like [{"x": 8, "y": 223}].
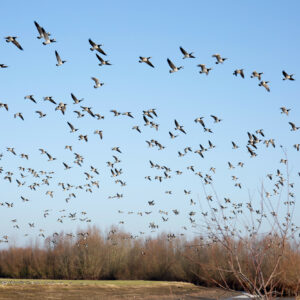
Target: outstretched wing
[
  {"x": 95, "y": 79},
  {"x": 100, "y": 58},
  {"x": 92, "y": 43},
  {"x": 148, "y": 62},
  {"x": 58, "y": 57},
  {"x": 15, "y": 42},
  {"x": 172, "y": 66},
  {"x": 183, "y": 51}
]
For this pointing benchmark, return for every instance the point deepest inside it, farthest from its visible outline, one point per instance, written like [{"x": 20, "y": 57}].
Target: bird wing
[
  {"x": 73, "y": 97},
  {"x": 70, "y": 125},
  {"x": 183, "y": 51},
  {"x": 284, "y": 73},
  {"x": 172, "y": 66},
  {"x": 15, "y": 42},
  {"x": 100, "y": 50},
  {"x": 92, "y": 43},
  {"x": 100, "y": 58},
  {"x": 148, "y": 62},
  {"x": 45, "y": 34},
  {"x": 39, "y": 28},
  {"x": 95, "y": 79},
  {"x": 58, "y": 57},
  {"x": 176, "y": 123}
]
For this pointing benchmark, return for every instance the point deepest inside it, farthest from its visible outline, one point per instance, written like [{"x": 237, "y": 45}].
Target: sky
[{"x": 252, "y": 35}]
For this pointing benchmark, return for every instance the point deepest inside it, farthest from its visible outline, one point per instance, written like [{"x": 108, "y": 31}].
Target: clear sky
[{"x": 253, "y": 35}]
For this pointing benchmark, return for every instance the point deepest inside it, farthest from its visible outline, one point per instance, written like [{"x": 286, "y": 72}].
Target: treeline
[{"x": 117, "y": 255}]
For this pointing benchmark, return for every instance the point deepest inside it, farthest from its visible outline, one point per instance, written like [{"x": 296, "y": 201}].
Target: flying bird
[
  {"x": 96, "y": 47},
  {"x": 287, "y": 76},
  {"x": 179, "y": 127},
  {"x": 219, "y": 59},
  {"x": 186, "y": 54},
  {"x": 13, "y": 39},
  {"x": 239, "y": 72},
  {"x": 59, "y": 61},
  {"x": 76, "y": 101},
  {"x": 173, "y": 67},
  {"x": 204, "y": 70},
  {"x": 294, "y": 127},
  {"x": 146, "y": 60},
  {"x": 102, "y": 61},
  {"x": 258, "y": 75},
  {"x": 97, "y": 82},
  {"x": 73, "y": 129},
  {"x": 30, "y": 97},
  {"x": 265, "y": 85}
]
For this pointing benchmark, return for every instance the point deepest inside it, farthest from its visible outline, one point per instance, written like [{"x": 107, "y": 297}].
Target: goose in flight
[
  {"x": 179, "y": 127},
  {"x": 294, "y": 127},
  {"x": 219, "y": 59},
  {"x": 49, "y": 98},
  {"x": 239, "y": 71},
  {"x": 99, "y": 132},
  {"x": 115, "y": 112},
  {"x": 258, "y": 75},
  {"x": 88, "y": 110},
  {"x": 4, "y": 105},
  {"x": 19, "y": 115},
  {"x": 79, "y": 114},
  {"x": 172, "y": 135},
  {"x": 146, "y": 60},
  {"x": 200, "y": 120},
  {"x": 83, "y": 137},
  {"x": 186, "y": 54},
  {"x": 97, "y": 82},
  {"x": 96, "y": 47},
  {"x": 13, "y": 39},
  {"x": 102, "y": 61},
  {"x": 173, "y": 67},
  {"x": 41, "y": 114},
  {"x": 234, "y": 145},
  {"x": 66, "y": 166},
  {"x": 62, "y": 107},
  {"x": 128, "y": 114},
  {"x": 137, "y": 128},
  {"x": 50, "y": 157},
  {"x": 73, "y": 129},
  {"x": 216, "y": 119},
  {"x": 59, "y": 61},
  {"x": 287, "y": 76},
  {"x": 2, "y": 66},
  {"x": 265, "y": 85},
  {"x": 116, "y": 149},
  {"x": 30, "y": 97},
  {"x": 204, "y": 69},
  {"x": 12, "y": 150},
  {"x": 285, "y": 110},
  {"x": 76, "y": 101}
]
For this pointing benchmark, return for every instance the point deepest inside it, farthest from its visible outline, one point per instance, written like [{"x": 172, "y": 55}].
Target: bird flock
[{"x": 30, "y": 178}]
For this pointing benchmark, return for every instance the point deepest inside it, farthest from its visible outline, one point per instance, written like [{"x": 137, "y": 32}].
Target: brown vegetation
[{"x": 93, "y": 255}]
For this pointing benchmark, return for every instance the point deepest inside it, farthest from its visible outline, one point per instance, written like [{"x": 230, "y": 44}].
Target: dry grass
[{"x": 106, "y": 289}]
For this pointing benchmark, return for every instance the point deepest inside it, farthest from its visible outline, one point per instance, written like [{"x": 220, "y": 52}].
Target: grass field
[{"x": 105, "y": 289}]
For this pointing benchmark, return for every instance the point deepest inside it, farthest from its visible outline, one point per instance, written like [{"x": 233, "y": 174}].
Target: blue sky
[{"x": 252, "y": 35}]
